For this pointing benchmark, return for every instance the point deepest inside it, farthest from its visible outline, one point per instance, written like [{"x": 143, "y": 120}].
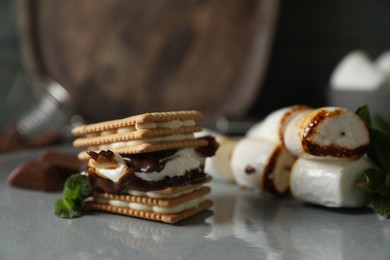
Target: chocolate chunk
[
  {"x": 36, "y": 176},
  {"x": 48, "y": 173},
  {"x": 67, "y": 163}
]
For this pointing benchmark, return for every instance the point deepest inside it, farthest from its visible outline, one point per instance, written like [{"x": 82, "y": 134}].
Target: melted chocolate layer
[
  {"x": 148, "y": 163},
  {"x": 131, "y": 181},
  {"x": 210, "y": 149}
]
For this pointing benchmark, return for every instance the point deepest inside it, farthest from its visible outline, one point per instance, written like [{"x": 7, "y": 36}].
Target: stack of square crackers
[{"x": 148, "y": 134}]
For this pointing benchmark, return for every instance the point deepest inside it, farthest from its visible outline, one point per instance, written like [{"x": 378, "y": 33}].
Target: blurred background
[{"x": 234, "y": 59}]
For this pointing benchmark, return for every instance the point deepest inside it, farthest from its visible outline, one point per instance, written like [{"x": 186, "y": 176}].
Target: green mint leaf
[
  {"x": 387, "y": 182},
  {"x": 76, "y": 187},
  {"x": 72, "y": 205},
  {"x": 379, "y": 149},
  {"x": 66, "y": 208},
  {"x": 364, "y": 114},
  {"x": 378, "y": 179},
  {"x": 381, "y": 205},
  {"x": 376, "y": 182},
  {"x": 381, "y": 123}
]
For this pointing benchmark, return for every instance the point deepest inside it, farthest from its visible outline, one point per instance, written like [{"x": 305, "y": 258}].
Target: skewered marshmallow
[
  {"x": 330, "y": 182},
  {"x": 262, "y": 164},
  {"x": 218, "y": 166},
  {"x": 327, "y": 132},
  {"x": 273, "y": 126}
]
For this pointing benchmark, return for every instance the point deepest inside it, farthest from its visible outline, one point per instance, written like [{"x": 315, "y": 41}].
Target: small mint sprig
[
  {"x": 377, "y": 180},
  {"x": 76, "y": 190}
]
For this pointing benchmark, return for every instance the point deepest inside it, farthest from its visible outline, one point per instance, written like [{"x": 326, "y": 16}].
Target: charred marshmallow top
[{"x": 109, "y": 168}]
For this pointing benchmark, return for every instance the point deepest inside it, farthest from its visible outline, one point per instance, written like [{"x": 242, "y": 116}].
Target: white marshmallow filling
[
  {"x": 132, "y": 143},
  {"x": 177, "y": 164},
  {"x": 159, "y": 195}
]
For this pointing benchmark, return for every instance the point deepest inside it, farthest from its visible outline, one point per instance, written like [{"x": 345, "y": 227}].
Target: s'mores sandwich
[{"x": 148, "y": 166}]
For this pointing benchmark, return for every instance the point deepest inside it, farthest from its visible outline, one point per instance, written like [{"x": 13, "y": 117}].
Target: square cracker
[
  {"x": 163, "y": 217},
  {"x": 136, "y": 135},
  {"x": 181, "y": 188},
  {"x": 153, "y": 147},
  {"x": 132, "y": 120},
  {"x": 165, "y": 203}
]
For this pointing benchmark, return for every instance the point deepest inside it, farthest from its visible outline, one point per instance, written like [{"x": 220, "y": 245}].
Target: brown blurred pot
[{"x": 118, "y": 58}]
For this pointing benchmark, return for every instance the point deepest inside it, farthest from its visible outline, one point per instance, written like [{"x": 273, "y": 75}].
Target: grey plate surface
[{"x": 241, "y": 225}]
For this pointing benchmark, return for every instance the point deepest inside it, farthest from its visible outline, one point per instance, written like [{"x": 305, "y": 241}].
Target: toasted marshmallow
[
  {"x": 331, "y": 182},
  {"x": 262, "y": 164},
  {"x": 327, "y": 132},
  {"x": 273, "y": 126},
  {"x": 218, "y": 165},
  {"x": 178, "y": 164},
  {"x": 292, "y": 136},
  {"x": 108, "y": 165}
]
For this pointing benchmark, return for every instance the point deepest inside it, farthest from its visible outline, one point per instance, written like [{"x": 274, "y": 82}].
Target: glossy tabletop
[{"x": 241, "y": 225}]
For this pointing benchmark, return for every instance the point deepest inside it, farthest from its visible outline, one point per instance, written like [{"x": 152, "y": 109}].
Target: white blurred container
[
  {"x": 378, "y": 100},
  {"x": 358, "y": 80}
]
